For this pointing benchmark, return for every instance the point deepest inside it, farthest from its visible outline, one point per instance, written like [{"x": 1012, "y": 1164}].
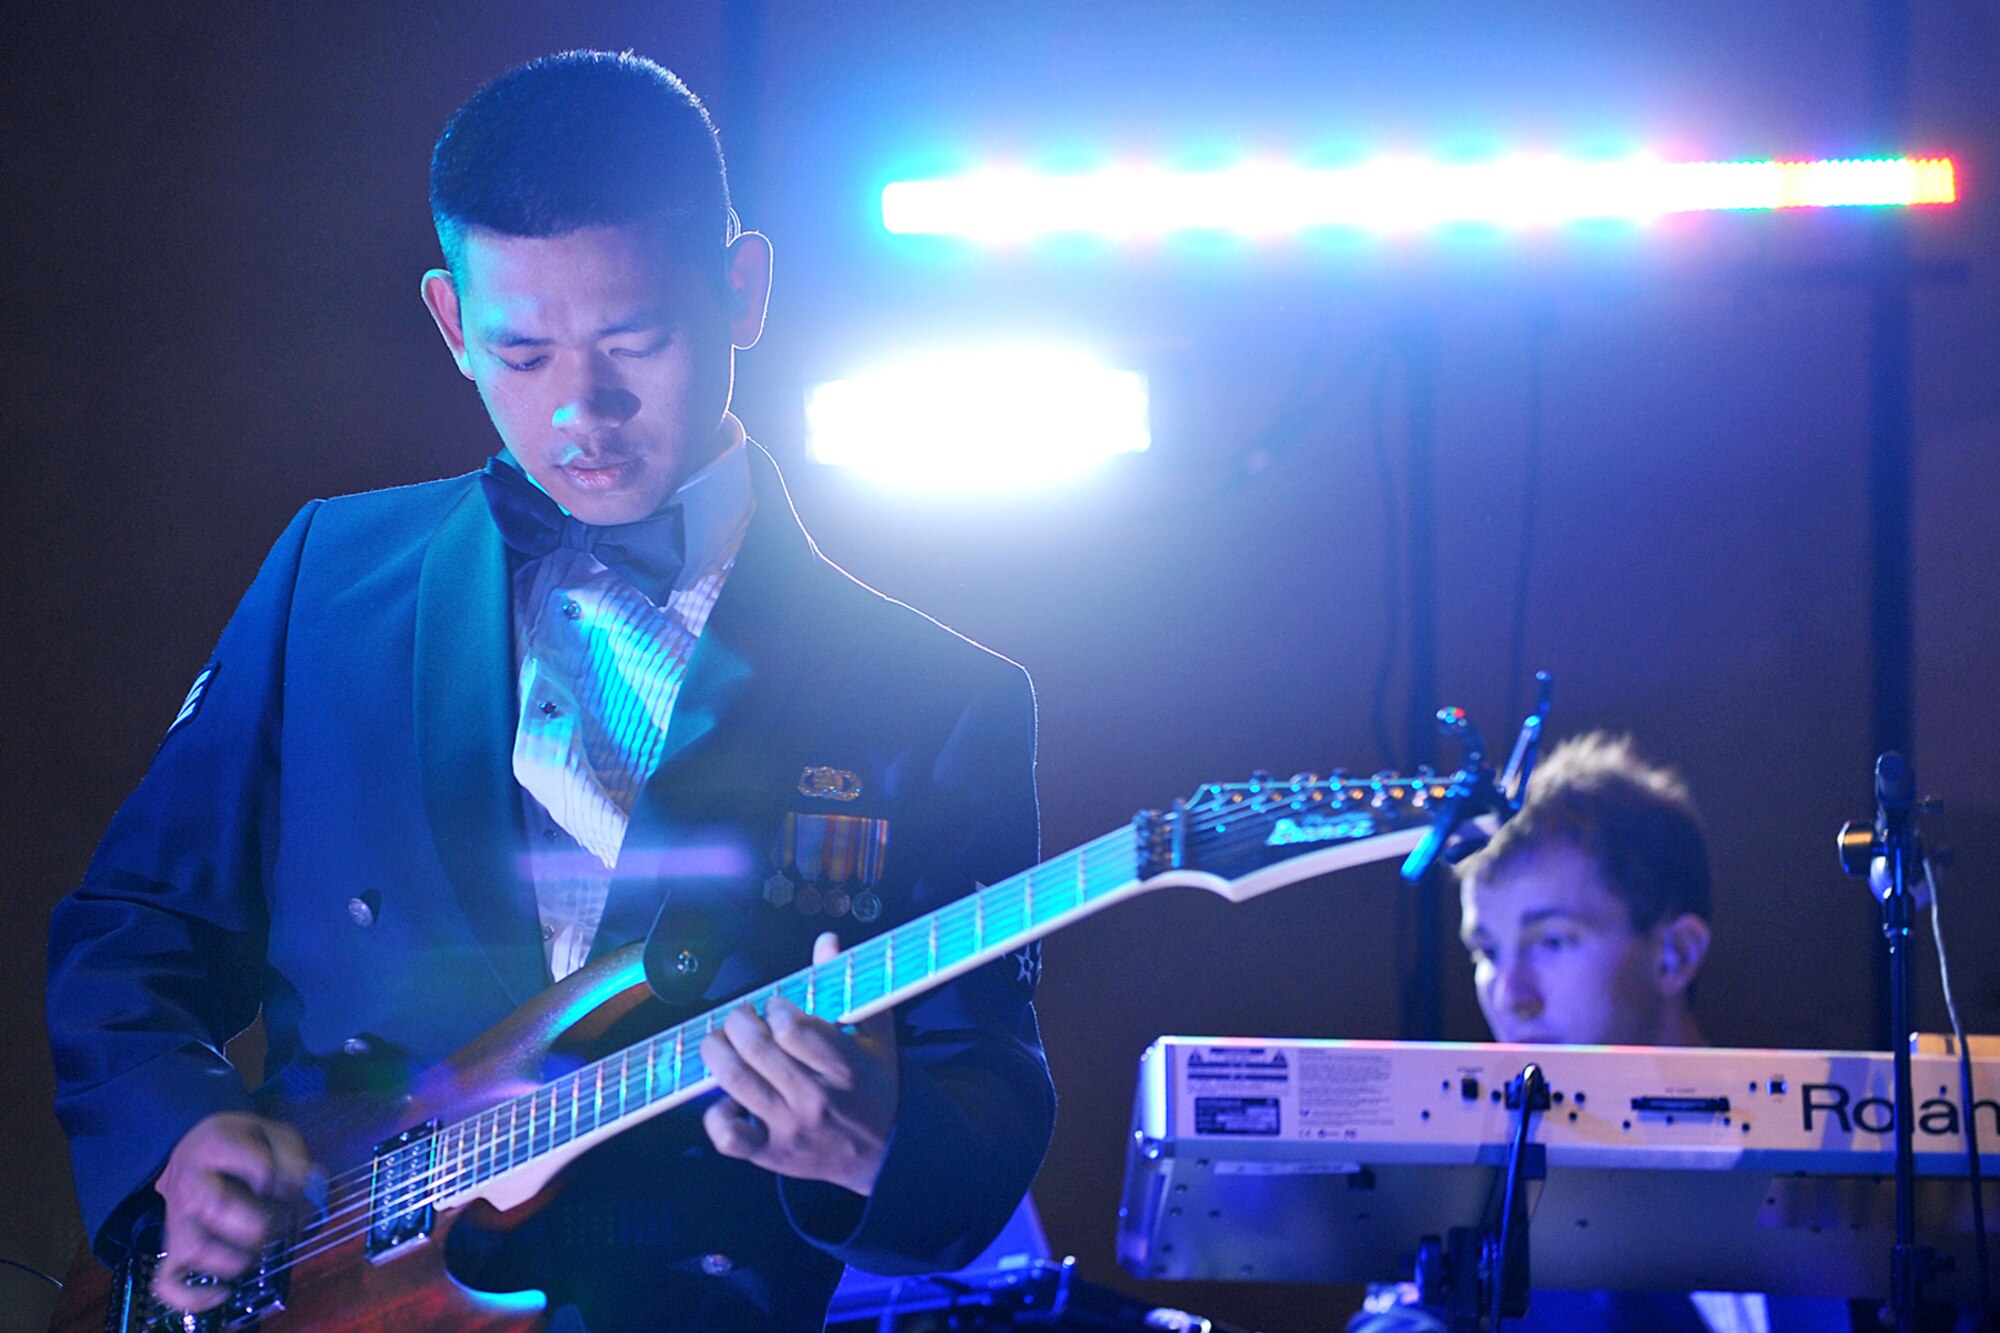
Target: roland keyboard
[{"x": 1668, "y": 1169}]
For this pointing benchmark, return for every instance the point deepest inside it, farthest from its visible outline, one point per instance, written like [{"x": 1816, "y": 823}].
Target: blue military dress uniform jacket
[{"x": 331, "y": 831}]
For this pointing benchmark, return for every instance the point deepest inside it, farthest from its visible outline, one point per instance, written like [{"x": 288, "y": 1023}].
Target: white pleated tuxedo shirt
[{"x": 600, "y": 667}]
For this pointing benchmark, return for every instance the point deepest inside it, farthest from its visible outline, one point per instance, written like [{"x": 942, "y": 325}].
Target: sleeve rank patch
[{"x": 196, "y": 693}]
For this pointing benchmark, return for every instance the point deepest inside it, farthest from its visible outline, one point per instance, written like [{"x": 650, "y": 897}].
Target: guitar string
[
  {"x": 484, "y": 1127},
  {"x": 948, "y": 928},
  {"x": 944, "y": 930},
  {"x": 958, "y": 936},
  {"x": 513, "y": 1146},
  {"x": 950, "y": 932},
  {"x": 441, "y": 1180}
]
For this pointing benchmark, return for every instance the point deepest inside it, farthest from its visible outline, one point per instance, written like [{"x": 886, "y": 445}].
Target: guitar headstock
[
  {"x": 1230, "y": 829},
  {"x": 1229, "y": 832}
]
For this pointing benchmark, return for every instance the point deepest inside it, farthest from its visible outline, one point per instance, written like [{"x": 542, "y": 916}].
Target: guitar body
[
  {"x": 330, "y": 1283},
  {"x": 483, "y": 1132}
]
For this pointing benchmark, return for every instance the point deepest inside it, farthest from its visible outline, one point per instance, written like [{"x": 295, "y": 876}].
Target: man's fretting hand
[{"x": 803, "y": 1097}]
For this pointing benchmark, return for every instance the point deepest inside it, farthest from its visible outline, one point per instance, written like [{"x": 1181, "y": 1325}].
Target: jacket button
[
  {"x": 716, "y": 1265},
  {"x": 355, "y": 1046},
  {"x": 361, "y": 911}
]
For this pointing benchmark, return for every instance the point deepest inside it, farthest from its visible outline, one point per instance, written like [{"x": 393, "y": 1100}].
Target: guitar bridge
[
  {"x": 256, "y": 1295},
  {"x": 402, "y": 1192},
  {"x": 260, "y": 1293}
]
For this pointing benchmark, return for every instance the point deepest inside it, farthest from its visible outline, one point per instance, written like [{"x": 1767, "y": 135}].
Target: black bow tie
[{"x": 648, "y": 554}]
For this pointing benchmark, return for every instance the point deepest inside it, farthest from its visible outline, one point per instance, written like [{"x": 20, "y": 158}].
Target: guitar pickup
[{"x": 402, "y": 1192}]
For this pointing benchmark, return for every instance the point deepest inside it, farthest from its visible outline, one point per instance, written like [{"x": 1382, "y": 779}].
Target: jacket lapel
[
  {"x": 760, "y": 630},
  {"x": 464, "y": 681},
  {"x": 703, "y": 824}
]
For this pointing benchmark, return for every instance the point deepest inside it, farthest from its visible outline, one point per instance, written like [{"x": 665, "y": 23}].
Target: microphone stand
[
  {"x": 1473, "y": 790},
  {"x": 1478, "y": 1276},
  {"x": 1893, "y": 842}
]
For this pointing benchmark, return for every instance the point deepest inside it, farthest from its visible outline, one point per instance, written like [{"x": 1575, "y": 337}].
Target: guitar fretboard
[{"x": 873, "y": 975}]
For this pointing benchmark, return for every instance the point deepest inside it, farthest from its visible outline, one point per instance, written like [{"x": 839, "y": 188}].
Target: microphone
[{"x": 1866, "y": 849}]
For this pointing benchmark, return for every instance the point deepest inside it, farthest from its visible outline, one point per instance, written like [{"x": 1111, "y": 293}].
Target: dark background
[{"x": 216, "y": 223}]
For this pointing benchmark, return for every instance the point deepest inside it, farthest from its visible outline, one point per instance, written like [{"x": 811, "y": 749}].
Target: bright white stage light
[
  {"x": 1391, "y": 195},
  {"x": 993, "y": 418}
]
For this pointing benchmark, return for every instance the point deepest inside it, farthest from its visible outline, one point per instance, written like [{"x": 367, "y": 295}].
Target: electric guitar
[{"x": 482, "y": 1127}]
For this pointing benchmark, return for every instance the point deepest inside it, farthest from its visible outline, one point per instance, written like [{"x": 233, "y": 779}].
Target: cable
[
  {"x": 1534, "y": 1092},
  {"x": 1392, "y": 569},
  {"x": 887, "y": 1322},
  {"x": 1410, "y": 943},
  {"x": 1966, "y": 1099},
  {"x": 16, "y": 1263},
  {"x": 1531, "y": 468}
]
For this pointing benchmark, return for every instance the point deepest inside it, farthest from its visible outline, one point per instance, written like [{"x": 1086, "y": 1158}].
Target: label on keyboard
[
  {"x": 1344, "y": 1089},
  {"x": 1236, "y": 1115}
]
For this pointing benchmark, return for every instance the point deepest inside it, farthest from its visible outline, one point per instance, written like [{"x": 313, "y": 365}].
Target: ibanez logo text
[{"x": 1289, "y": 832}]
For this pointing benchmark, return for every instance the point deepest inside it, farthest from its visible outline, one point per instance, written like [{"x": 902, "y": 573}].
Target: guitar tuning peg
[{"x": 1304, "y": 779}]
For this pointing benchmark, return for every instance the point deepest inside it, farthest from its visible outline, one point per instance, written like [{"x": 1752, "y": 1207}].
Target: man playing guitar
[{"x": 465, "y": 739}]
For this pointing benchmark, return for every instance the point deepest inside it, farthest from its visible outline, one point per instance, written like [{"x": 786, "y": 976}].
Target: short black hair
[
  {"x": 582, "y": 139},
  {"x": 1633, "y": 820}
]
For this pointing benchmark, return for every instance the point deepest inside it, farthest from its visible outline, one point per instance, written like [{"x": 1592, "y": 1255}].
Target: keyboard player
[
  {"x": 1587, "y": 919},
  {"x": 1587, "y": 916}
]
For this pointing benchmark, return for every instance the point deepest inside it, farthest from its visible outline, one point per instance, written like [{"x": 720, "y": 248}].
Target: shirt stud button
[
  {"x": 361, "y": 910},
  {"x": 548, "y": 932},
  {"x": 548, "y": 709},
  {"x": 355, "y": 1046},
  {"x": 716, "y": 1265},
  {"x": 570, "y": 609}
]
